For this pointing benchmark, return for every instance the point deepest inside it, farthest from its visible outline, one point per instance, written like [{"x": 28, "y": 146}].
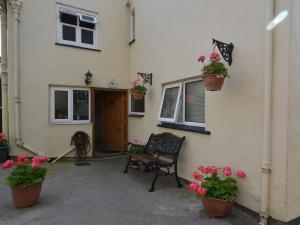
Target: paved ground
[{"x": 101, "y": 194}]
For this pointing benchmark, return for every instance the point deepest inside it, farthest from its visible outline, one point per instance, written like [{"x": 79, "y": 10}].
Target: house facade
[{"x": 49, "y": 48}]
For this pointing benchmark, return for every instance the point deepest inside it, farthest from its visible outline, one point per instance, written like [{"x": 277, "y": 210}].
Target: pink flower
[
  {"x": 35, "y": 164},
  {"x": 21, "y": 159},
  {"x": 241, "y": 174},
  {"x": 214, "y": 56},
  {"x": 201, "y": 191},
  {"x": 202, "y": 169},
  {"x": 201, "y": 58},
  {"x": 227, "y": 171},
  {"x": 193, "y": 186},
  {"x": 8, "y": 164},
  {"x": 198, "y": 176},
  {"x": 211, "y": 170}
]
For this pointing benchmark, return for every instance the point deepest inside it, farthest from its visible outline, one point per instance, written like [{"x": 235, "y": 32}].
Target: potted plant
[
  {"x": 3, "y": 148},
  {"x": 138, "y": 89},
  {"x": 137, "y": 146},
  {"x": 214, "y": 72},
  {"x": 26, "y": 179},
  {"x": 217, "y": 188}
]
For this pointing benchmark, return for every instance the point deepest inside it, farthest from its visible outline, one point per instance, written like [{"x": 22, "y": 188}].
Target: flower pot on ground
[
  {"x": 138, "y": 89},
  {"x": 217, "y": 189},
  {"x": 3, "y": 148},
  {"x": 213, "y": 74},
  {"x": 26, "y": 179}
]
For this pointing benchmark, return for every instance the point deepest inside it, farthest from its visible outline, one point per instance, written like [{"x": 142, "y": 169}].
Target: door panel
[{"x": 113, "y": 127}]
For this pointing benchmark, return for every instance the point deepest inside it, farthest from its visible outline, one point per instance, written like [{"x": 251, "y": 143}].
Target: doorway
[{"x": 110, "y": 122}]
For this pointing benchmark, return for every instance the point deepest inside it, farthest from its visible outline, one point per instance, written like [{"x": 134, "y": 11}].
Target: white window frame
[
  {"x": 174, "y": 119},
  {"x": 70, "y": 106},
  {"x": 78, "y": 13},
  {"x": 136, "y": 113},
  {"x": 183, "y": 106}
]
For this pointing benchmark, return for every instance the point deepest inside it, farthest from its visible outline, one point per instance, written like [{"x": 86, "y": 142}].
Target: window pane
[
  {"x": 61, "y": 104},
  {"x": 69, "y": 19},
  {"x": 87, "y": 36},
  {"x": 87, "y": 25},
  {"x": 169, "y": 104},
  {"x": 137, "y": 106},
  {"x": 194, "y": 102},
  {"x": 80, "y": 105},
  {"x": 69, "y": 33}
]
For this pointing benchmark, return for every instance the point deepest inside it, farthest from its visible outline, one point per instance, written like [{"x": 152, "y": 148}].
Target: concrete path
[{"x": 101, "y": 194}]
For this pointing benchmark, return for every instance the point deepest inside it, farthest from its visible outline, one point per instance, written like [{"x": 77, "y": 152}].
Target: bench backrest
[{"x": 164, "y": 143}]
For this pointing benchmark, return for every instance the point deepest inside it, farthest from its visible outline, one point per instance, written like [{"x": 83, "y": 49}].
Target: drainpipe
[
  {"x": 4, "y": 67},
  {"x": 266, "y": 151},
  {"x": 15, "y": 8}
]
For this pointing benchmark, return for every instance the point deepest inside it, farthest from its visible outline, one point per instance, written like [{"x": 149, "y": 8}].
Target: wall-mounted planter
[
  {"x": 3, "y": 153},
  {"x": 138, "y": 95},
  {"x": 213, "y": 82}
]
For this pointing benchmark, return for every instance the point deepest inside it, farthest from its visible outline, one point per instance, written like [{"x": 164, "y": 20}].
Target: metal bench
[{"x": 161, "y": 151}]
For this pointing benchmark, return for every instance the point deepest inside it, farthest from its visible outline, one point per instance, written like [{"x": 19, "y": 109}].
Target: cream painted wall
[
  {"x": 43, "y": 63},
  {"x": 293, "y": 178},
  {"x": 170, "y": 34},
  {"x": 169, "y": 37}
]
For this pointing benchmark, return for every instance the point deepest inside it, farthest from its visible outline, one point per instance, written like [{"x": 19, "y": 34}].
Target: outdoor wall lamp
[{"x": 88, "y": 77}]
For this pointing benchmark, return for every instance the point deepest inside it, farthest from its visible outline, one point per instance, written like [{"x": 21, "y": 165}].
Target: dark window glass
[
  {"x": 69, "y": 33},
  {"x": 169, "y": 102},
  {"x": 87, "y": 36},
  {"x": 61, "y": 105},
  {"x": 80, "y": 105},
  {"x": 137, "y": 106},
  {"x": 69, "y": 19},
  {"x": 87, "y": 25}
]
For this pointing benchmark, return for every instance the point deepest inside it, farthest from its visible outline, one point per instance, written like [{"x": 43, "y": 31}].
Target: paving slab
[{"x": 100, "y": 194}]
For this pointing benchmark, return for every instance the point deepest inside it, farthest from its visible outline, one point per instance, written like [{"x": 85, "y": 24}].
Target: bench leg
[
  {"x": 155, "y": 178},
  {"x": 127, "y": 165},
  {"x": 179, "y": 185}
]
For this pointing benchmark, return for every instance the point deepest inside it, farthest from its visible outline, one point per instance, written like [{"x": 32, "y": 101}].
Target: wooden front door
[{"x": 113, "y": 121}]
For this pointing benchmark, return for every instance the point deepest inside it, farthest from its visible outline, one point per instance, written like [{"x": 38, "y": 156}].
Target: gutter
[
  {"x": 266, "y": 150},
  {"x": 15, "y": 8}
]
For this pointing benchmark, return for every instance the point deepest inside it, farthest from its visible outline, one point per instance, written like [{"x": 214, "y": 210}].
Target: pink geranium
[
  {"x": 193, "y": 186},
  {"x": 198, "y": 176},
  {"x": 201, "y": 191},
  {"x": 214, "y": 56},
  {"x": 227, "y": 171},
  {"x": 211, "y": 170},
  {"x": 201, "y": 58},
  {"x": 241, "y": 174},
  {"x": 21, "y": 159},
  {"x": 7, "y": 164}
]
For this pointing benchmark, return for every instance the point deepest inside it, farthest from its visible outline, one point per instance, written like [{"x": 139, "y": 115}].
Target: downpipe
[{"x": 266, "y": 151}]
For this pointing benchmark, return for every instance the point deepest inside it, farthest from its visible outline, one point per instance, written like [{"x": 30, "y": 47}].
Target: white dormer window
[{"x": 76, "y": 28}]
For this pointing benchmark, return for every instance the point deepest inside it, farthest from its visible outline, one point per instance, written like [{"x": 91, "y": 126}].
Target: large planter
[
  {"x": 213, "y": 82},
  {"x": 217, "y": 207},
  {"x": 3, "y": 153},
  {"x": 138, "y": 95},
  {"x": 26, "y": 196}
]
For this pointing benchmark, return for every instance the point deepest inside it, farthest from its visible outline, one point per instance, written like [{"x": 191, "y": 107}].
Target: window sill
[
  {"x": 76, "y": 46},
  {"x": 131, "y": 42},
  {"x": 200, "y": 130},
  {"x": 70, "y": 123},
  {"x": 134, "y": 115}
]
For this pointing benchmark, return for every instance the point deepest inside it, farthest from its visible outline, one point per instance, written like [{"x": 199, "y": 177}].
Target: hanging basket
[
  {"x": 213, "y": 82},
  {"x": 217, "y": 207},
  {"x": 138, "y": 95}
]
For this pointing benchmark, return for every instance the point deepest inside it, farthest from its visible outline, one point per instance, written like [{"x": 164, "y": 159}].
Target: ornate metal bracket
[
  {"x": 225, "y": 49},
  {"x": 147, "y": 77}
]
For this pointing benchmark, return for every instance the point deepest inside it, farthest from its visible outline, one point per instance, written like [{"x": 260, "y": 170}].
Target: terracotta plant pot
[
  {"x": 213, "y": 82},
  {"x": 26, "y": 196},
  {"x": 138, "y": 95},
  {"x": 217, "y": 207}
]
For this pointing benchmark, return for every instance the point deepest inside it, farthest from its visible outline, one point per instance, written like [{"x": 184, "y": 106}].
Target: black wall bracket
[
  {"x": 147, "y": 77},
  {"x": 225, "y": 50}
]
